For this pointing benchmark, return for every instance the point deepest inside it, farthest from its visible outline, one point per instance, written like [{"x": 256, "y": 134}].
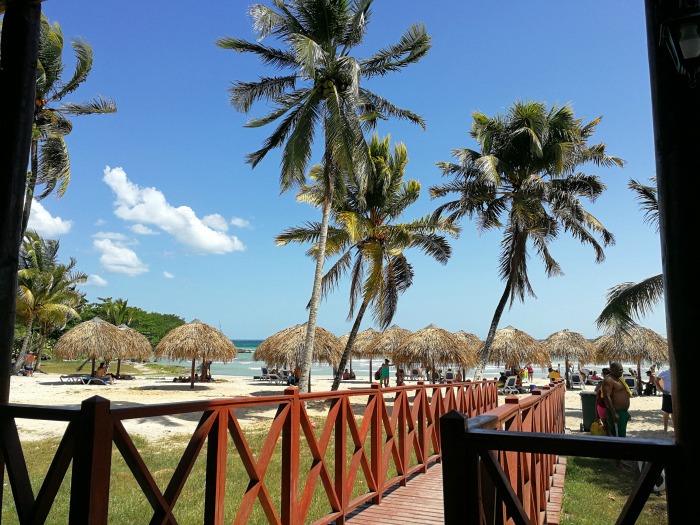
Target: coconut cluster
[{"x": 328, "y": 82}]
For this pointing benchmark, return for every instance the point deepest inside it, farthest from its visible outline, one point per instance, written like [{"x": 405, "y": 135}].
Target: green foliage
[{"x": 596, "y": 489}]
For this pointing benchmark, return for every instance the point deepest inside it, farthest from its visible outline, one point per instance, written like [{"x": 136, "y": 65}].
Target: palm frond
[{"x": 91, "y": 107}]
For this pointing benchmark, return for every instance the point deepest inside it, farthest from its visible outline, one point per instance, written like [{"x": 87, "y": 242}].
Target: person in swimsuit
[{"x": 617, "y": 400}]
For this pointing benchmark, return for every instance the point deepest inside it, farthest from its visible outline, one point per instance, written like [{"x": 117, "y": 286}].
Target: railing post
[
  {"x": 377, "y": 443},
  {"x": 215, "y": 488},
  {"x": 459, "y": 471},
  {"x": 421, "y": 398},
  {"x": 290, "y": 459},
  {"x": 92, "y": 462}
]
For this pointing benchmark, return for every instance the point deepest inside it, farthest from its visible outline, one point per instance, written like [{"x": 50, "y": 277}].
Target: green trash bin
[{"x": 589, "y": 410}]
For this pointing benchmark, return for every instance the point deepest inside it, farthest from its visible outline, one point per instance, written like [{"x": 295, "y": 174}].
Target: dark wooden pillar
[
  {"x": 20, "y": 47},
  {"x": 676, "y": 112}
]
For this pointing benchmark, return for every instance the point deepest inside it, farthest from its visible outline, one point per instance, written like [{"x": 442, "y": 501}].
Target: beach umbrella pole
[{"x": 192, "y": 375}]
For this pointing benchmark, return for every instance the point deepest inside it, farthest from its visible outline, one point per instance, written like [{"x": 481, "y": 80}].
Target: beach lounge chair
[
  {"x": 632, "y": 383},
  {"x": 267, "y": 376},
  {"x": 576, "y": 381},
  {"x": 283, "y": 377},
  {"x": 510, "y": 386},
  {"x": 449, "y": 375},
  {"x": 78, "y": 379}
]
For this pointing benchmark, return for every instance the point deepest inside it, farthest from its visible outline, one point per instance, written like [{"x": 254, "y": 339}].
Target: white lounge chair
[
  {"x": 267, "y": 376},
  {"x": 576, "y": 381}
]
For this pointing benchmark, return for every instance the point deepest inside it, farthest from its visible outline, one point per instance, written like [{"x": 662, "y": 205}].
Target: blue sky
[{"x": 163, "y": 211}]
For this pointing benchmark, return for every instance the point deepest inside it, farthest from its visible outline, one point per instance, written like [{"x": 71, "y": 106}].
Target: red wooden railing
[
  {"x": 492, "y": 477},
  {"x": 394, "y": 435}
]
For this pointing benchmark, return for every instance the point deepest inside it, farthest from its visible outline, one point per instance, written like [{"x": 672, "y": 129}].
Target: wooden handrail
[
  {"x": 497, "y": 467},
  {"x": 397, "y": 430}
]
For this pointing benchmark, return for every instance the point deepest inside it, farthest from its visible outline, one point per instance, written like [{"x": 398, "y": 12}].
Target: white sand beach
[{"x": 47, "y": 389}]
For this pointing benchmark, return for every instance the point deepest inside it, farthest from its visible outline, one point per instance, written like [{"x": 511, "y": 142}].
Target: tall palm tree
[
  {"x": 50, "y": 164},
  {"x": 634, "y": 299},
  {"x": 369, "y": 243},
  {"x": 47, "y": 291},
  {"x": 322, "y": 89},
  {"x": 524, "y": 179}
]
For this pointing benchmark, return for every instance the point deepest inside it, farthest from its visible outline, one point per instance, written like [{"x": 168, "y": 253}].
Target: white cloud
[
  {"x": 168, "y": 275},
  {"x": 112, "y": 236},
  {"x": 95, "y": 280},
  {"x": 240, "y": 223},
  {"x": 140, "y": 229},
  {"x": 149, "y": 207},
  {"x": 118, "y": 258},
  {"x": 44, "y": 224},
  {"x": 100, "y": 222},
  {"x": 216, "y": 222}
]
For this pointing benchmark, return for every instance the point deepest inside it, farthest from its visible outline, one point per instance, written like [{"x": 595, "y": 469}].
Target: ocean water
[{"x": 244, "y": 365}]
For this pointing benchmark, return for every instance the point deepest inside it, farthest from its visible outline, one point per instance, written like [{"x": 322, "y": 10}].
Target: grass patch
[{"x": 595, "y": 491}]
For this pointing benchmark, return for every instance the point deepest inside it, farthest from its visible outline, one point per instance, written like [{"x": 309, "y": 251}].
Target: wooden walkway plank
[{"x": 420, "y": 502}]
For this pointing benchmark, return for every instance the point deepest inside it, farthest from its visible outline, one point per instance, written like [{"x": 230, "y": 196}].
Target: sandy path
[{"x": 48, "y": 390}]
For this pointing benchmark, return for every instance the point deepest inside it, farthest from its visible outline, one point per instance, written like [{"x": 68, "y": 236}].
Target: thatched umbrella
[
  {"x": 566, "y": 345},
  {"x": 361, "y": 347},
  {"x": 635, "y": 345},
  {"x": 386, "y": 344},
  {"x": 513, "y": 347},
  {"x": 433, "y": 346},
  {"x": 474, "y": 344},
  {"x": 95, "y": 338},
  {"x": 286, "y": 347},
  {"x": 139, "y": 346},
  {"x": 193, "y": 341}
]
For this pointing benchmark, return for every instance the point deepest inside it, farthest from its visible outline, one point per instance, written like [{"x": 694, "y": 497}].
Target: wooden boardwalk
[{"x": 420, "y": 501}]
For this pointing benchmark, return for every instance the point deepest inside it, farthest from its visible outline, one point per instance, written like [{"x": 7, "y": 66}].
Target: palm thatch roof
[
  {"x": 286, "y": 347},
  {"x": 634, "y": 344},
  {"x": 196, "y": 341},
  {"x": 94, "y": 339},
  {"x": 387, "y": 343},
  {"x": 138, "y": 347},
  {"x": 363, "y": 347},
  {"x": 474, "y": 343},
  {"x": 433, "y": 347},
  {"x": 515, "y": 348},
  {"x": 566, "y": 344}
]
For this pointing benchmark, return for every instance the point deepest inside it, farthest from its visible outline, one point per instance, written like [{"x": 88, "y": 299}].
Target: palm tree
[
  {"x": 321, "y": 89},
  {"x": 47, "y": 291},
  {"x": 634, "y": 299},
  {"x": 50, "y": 164},
  {"x": 369, "y": 244},
  {"x": 524, "y": 179}
]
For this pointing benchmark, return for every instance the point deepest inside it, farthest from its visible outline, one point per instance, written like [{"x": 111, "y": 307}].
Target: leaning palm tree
[
  {"x": 631, "y": 300},
  {"x": 369, "y": 244},
  {"x": 46, "y": 290},
  {"x": 50, "y": 164},
  {"x": 322, "y": 89},
  {"x": 524, "y": 179}
]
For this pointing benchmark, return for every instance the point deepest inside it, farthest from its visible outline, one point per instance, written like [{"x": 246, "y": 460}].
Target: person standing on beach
[
  {"x": 663, "y": 383},
  {"x": 617, "y": 401},
  {"x": 384, "y": 376},
  {"x": 600, "y": 403}
]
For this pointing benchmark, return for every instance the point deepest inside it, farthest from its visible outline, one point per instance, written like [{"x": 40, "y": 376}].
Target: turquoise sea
[{"x": 245, "y": 365}]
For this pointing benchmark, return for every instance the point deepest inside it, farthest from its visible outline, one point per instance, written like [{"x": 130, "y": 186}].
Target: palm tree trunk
[
  {"x": 305, "y": 380},
  {"x": 348, "y": 347},
  {"x": 31, "y": 184},
  {"x": 19, "y": 51},
  {"x": 39, "y": 351},
  {"x": 25, "y": 347},
  {"x": 483, "y": 359}
]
